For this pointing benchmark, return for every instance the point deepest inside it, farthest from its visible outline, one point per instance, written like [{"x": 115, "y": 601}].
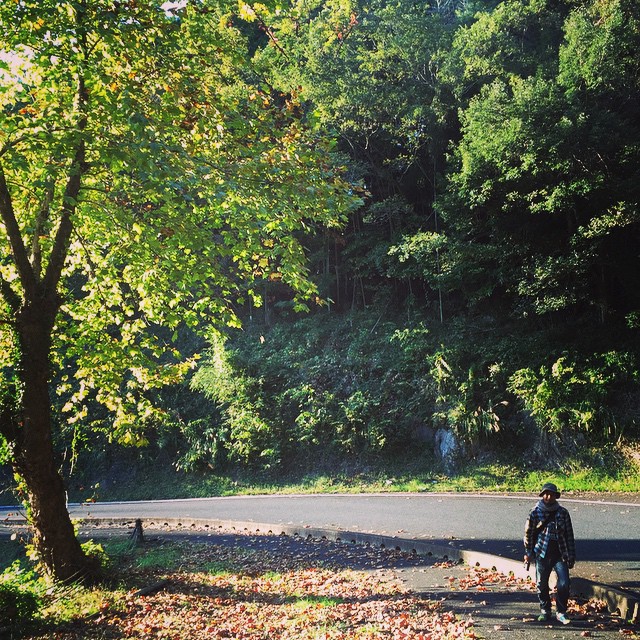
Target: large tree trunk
[{"x": 34, "y": 460}]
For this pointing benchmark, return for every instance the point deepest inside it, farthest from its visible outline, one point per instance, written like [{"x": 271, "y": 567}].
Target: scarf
[{"x": 547, "y": 508}]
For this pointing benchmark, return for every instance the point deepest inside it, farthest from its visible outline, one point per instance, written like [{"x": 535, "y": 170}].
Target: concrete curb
[{"x": 626, "y": 604}]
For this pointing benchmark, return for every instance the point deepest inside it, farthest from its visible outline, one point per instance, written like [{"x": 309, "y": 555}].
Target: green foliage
[
  {"x": 203, "y": 444},
  {"x": 365, "y": 65},
  {"x": 362, "y": 427},
  {"x": 578, "y": 396},
  {"x": 5, "y": 455},
  {"x": 169, "y": 228},
  {"x": 417, "y": 255},
  {"x": 504, "y": 468},
  {"x": 329, "y": 388},
  {"x": 470, "y": 396},
  {"x": 599, "y": 49},
  {"x": 541, "y": 198},
  {"x": 513, "y": 39},
  {"x": 368, "y": 71},
  {"x": 240, "y": 399},
  {"x": 20, "y": 600},
  {"x": 279, "y": 402},
  {"x": 9, "y": 400},
  {"x": 95, "y": 551}
]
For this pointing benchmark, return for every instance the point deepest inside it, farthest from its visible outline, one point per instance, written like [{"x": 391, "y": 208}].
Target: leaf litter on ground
[
  {"x": 245, "y": 586},
  {"x": 590, "y": 617},
  {"x": 252, "y": 587}
]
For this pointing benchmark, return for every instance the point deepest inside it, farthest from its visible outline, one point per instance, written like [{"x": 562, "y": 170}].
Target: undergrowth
[{"x": 596, "y": 470}]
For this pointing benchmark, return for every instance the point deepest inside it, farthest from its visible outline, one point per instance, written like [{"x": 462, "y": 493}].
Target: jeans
[{"x": 544, "y": 567}]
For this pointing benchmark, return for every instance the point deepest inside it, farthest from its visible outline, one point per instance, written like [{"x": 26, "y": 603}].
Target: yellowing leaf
[{"x": 246, "y": 12}]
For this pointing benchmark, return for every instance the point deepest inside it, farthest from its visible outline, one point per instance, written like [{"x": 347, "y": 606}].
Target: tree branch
[
  {"x": 70, "y": 199},
  {"x": 65, "y": 228},
  {"x": 269, "y": 31},
  {"x": 10, "y": 296},
  {"x": 41, "y": 219},
  {"x": 18, "y": 249}
]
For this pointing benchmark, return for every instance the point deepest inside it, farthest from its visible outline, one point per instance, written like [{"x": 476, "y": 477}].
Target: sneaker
[
  {"x": 544, "y": 616},
  {"x": 562, "y": 618}
]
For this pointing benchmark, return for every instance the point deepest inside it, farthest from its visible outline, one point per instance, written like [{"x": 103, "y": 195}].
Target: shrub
[
  {"x": 576, "y": 394},
  {"x": 19, "y": 598},
  {"x": 250, "y": 437}
]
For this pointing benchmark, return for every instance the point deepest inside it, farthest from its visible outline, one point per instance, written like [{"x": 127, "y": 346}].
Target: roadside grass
[
  {"x": 168, "y": 558},
  {"x": 595, "y": 470}
]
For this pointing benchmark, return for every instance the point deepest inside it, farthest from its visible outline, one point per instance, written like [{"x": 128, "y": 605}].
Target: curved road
[{"x": 607, "y": 532}]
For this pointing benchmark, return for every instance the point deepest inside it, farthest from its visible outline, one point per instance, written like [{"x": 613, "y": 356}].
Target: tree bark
[{"x": 34, "y": 458}]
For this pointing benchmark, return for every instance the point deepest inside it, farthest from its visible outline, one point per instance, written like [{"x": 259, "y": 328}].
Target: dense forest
[
  {"x": 485, "y": 295},
  {"x": 453, "y": 264}
]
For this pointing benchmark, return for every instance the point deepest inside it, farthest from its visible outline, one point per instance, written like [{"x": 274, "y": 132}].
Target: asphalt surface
[{"x": 607, "y": 531}]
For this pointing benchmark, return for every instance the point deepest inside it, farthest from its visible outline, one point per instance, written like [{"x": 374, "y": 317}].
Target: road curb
[{"x": 626, "y": 604}]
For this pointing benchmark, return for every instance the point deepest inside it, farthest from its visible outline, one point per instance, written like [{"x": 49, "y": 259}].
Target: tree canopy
[
  {"x": 540, "y": 184},
  {"x": 148, "y": 175}
]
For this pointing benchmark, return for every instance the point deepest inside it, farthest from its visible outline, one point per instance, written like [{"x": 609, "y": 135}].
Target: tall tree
[
  {"x": 369, "y": 71},
  {"x": 145, "y": 175},
  {"x": 543, "y": 196}
]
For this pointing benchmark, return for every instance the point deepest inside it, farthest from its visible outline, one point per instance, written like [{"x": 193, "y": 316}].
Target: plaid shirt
[{"x": 536, "y": 542}]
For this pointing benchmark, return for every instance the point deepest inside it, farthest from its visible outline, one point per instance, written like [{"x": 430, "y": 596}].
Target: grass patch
[
  {"x": 67, "y": 604},
  {"x": 165, "y": 557},
  {"x": 602, "y": 469},
  {"x": 216, "y": 568},
  {"x": 306, "y": 602},
  {"x": 488, "y": 477}
]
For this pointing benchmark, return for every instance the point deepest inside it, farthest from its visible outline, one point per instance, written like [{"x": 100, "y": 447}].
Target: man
[{"x": 548, "y": 539}]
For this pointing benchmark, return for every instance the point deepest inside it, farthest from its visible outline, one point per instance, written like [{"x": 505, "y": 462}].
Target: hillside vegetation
[
  {"x": 485, "y": 297},
  {"x": 472, "y": 323}
]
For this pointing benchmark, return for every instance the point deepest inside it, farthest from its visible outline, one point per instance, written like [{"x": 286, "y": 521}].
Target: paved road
[{"x": 607, "y": 532}]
